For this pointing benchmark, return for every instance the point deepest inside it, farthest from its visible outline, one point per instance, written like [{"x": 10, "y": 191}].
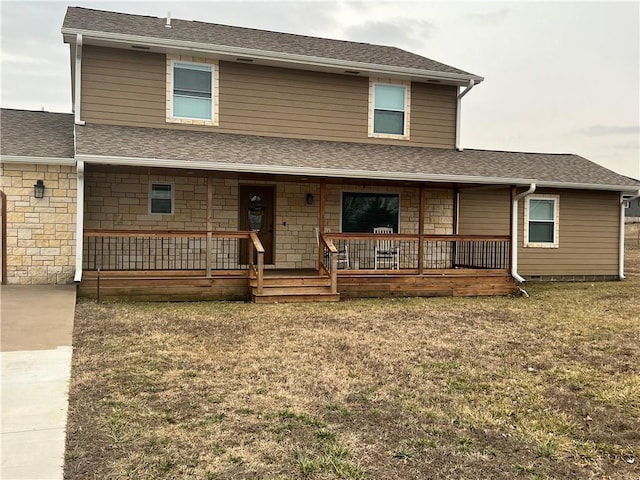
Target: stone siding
[
  {"x": 40, "y": 231},
  {"x": 117, "y": 200}
]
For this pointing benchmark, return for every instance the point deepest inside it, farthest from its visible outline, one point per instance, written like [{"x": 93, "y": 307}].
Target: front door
[{"x": 256, "y": 212}]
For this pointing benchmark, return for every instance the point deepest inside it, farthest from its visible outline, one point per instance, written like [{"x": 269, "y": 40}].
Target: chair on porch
[
  {"x": 386, "y": 251},
  {"x": 343, "y": 251}
]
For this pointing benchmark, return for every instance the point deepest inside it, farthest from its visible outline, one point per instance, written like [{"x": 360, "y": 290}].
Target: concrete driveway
[{"x": 37, "y": 325}]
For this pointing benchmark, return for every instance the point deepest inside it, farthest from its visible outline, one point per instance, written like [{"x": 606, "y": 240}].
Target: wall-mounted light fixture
[
  {"x": 309, "y": 198},
  {"x": 38, "y": 189}
]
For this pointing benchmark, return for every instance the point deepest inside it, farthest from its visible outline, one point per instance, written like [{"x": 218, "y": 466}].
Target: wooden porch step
[
  {"x": 298, "y": 297},
  {"x": 293, "y": 289}
]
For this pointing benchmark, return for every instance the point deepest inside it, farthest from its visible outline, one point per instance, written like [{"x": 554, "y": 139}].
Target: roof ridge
[
  {"x": 33, "y": 111},
  {"x": 520, "y": 152},
  {"x": 254, "y": 29}
]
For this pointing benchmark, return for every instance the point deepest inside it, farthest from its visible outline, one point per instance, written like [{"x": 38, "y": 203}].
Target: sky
[{"x": 560, "y": 77}]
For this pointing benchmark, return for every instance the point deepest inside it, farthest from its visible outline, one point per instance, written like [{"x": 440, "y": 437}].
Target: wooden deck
[{"x": 207, "y": 265}]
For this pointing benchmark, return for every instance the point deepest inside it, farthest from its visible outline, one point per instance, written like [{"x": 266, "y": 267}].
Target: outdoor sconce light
[
  {"x": 38, "y": 189},
  {"x": 309, "y": 198}
]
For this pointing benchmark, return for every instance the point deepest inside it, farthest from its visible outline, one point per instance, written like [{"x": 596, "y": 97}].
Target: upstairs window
[
  {"x": 541, "y": 221},
  {"x": 192, "y": 96},
  {"x": 389, "y": 110},
  {"x": 192, "y": 88},
  {"x": 161, "y": 198}
]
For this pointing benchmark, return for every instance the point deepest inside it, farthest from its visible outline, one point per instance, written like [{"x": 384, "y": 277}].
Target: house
[{"x": 209, "y": 161}]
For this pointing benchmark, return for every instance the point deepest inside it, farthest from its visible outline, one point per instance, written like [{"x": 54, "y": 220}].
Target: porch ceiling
[{"x": 174, "y": 148}]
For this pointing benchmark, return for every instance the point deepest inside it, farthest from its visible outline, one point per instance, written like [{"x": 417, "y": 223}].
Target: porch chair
[
  {"x": 342, "y": 255},
  {"x": 386, "y": 251}
]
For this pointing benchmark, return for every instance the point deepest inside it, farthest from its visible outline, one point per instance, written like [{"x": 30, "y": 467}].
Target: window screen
[
  {"x": 541, "y": 221},
  {"x": 192, "y": 88},
  {"x": 161, "y": 198},
  {"x": 389, "y": 109}
]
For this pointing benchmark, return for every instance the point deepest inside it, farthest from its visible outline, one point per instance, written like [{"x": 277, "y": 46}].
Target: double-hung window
[
  {"x": 192, "y": 91},
  {"x": 541, "y": 221},
  {"x": 389, "y": 110},
  {"x": 161, "y": 198},
  {"x": 192, "y": 95}
]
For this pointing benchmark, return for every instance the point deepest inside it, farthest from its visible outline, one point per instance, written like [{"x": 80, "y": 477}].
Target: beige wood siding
[
  {"x": 123, "y": 87},
  {"x": 588, "y": 230},
  {"x": 484, "y": 212}
]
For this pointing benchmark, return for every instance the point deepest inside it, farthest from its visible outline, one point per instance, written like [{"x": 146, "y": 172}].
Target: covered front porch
[{"x": 216, "y": 265}]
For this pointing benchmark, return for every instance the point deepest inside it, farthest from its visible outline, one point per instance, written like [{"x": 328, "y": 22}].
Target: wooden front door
[{"x": 257, "y": 213}]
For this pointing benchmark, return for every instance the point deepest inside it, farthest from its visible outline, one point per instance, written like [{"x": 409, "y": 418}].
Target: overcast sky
[{"x": 559, "y": 77}]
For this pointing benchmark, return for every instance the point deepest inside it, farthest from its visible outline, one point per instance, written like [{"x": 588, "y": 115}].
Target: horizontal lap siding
[
  {"x": 589, "y": 230},
  {"x": 122, "y": 87},
  {"x": 484, "y": 212}
]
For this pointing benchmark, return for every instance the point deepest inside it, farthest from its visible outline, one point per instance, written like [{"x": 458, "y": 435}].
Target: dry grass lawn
[{"x": 467, "y": 388}]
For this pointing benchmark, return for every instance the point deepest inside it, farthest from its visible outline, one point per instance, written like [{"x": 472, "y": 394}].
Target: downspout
[
  {"x": 79, "y": 219},
  {"x": 623, "y": 204},
  {"x": 514, "y": 232},
  {"x": 78, "y": 80},
  {"x": 458, "y": 112}
]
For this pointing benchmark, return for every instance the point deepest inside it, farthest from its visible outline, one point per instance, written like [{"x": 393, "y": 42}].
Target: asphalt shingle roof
[
  {"x": 36, "y": 134},
  {"x": 264, "y": 40},
  {"x": 219, "y": 148}
]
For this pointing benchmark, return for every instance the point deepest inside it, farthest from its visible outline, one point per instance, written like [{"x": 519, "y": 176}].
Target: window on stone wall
[
  {"x": 362, "y": 212},
  {"x": 161, "y": 198}
]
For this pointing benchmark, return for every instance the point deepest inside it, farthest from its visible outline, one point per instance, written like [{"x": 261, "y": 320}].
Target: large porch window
[{"x": 362, "y": 212}]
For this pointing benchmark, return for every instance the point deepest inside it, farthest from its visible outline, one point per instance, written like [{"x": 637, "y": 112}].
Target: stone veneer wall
[
  {"x": 121, "y": 201},
  {"x": 40, "y": 231}
]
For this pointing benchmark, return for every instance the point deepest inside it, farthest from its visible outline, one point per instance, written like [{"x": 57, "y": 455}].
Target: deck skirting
[{"x": 236, "y": 286}]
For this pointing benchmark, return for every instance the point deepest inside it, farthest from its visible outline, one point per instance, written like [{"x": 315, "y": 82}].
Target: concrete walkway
[{"x": 37, "y": 325}]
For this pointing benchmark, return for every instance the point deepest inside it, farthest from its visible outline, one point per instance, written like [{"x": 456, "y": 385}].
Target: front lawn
[{"x": 465, "y": 388}]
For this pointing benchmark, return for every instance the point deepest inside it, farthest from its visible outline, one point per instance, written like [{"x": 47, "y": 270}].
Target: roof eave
[
  {"x": 303, "y": 171},
  {"x": 286, "y": 59}
]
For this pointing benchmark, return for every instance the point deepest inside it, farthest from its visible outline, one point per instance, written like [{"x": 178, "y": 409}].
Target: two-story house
[{"x": 209, "y": 161}]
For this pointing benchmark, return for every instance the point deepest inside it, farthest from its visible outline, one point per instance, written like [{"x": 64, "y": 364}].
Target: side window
[
  {"x": 541, "y": 221},
  {"x": 192, "y": 91},
  {"x": 389, "y": 110},
  {"x": 161, "y": 198}
]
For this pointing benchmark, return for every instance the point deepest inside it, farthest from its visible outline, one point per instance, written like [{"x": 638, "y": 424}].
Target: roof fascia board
[
  {"x": 39, "y": 160},
  {"x": 289, "y": 58}
]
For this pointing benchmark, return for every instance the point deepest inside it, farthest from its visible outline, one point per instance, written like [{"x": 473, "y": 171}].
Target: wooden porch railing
[
  {"x": 417, "y": 254},
  {"x": 164, "y": 250}
]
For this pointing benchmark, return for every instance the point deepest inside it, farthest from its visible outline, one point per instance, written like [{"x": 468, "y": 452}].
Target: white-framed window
[
  {"x": 363, "y": 211},
  {"x": 192, "y": 93},
  {"x": 161, "y": 198},
  {"x": 541, "y": 221},
  {"x": 389, "y": 107}
]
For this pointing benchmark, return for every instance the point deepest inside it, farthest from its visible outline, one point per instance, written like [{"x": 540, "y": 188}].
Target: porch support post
[
  {"x": 421, "y": 230},
  {"x": 79, "y": 219},
  {"x": 321, "y": 214},
  {"x": 209, "y": 223}
]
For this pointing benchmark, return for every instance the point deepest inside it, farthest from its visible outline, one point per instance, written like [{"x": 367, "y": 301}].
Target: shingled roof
[
  {"x": 87, "y": 20},
  {"x": 25, "y": 133},
  {"x": 246, "y": 153}
]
